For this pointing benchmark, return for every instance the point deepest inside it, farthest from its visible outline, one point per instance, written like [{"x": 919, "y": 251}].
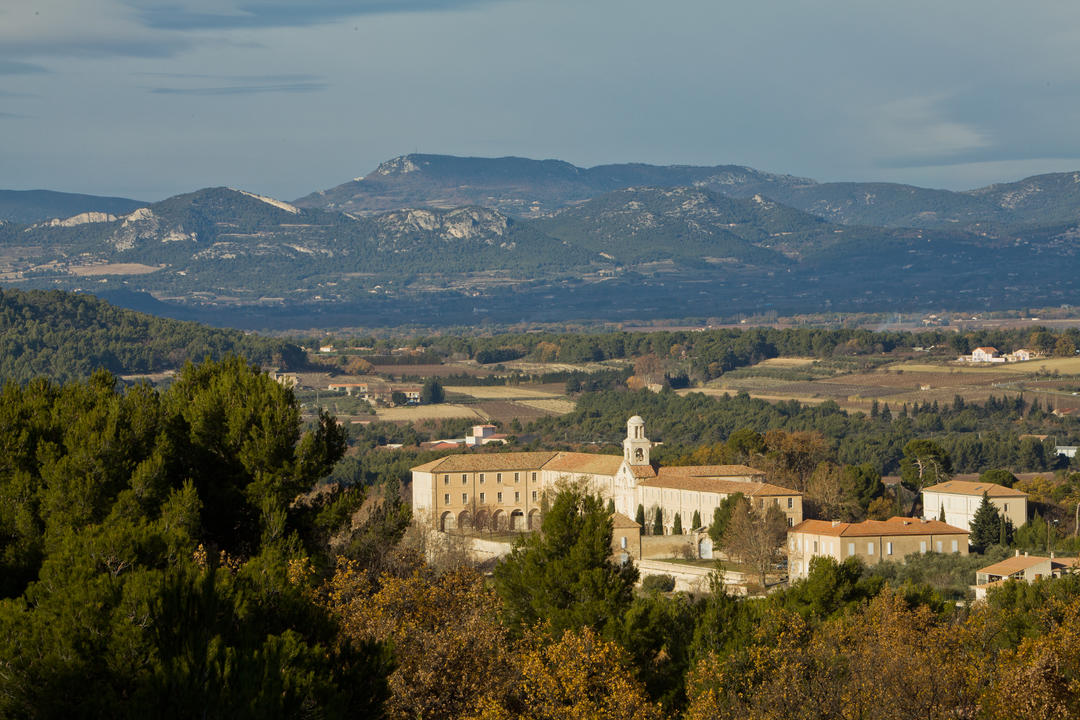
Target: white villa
[
  {"x": 506, "y": 489},
  {"x": 961, "y": 499}
]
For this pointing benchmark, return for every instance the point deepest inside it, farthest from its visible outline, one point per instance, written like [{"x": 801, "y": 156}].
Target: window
[
  {"x": 790, "y": 522},
  {"x": 446, "y": 498},
  {"x": 498, "y": 477},
  {"x": 446, "y": 479},
  {"x": 790, "y": 502},
  {"x": 776, "y": 500},
  {"x": 869, "y": 548},
  {"x": 888, "y": 548},
  {"x": 464, "y": 479},
  {"x": 481, "y": 478},
  {"x": 955, "y": 547},
  {"x": 623, "y": 543},
  {"x": 851, "y": 548},
  {"x": 922, "y": 546},
  {"x": 481, "y": 497},
  {"x": 938, "y": 546},
  {"x": 534, "y": 496},
  {"x": 534, "y": 477},
  {"x": 760, "y": 503},
  {"x": 517, "y": 476},
  {"x": 815, "y": 546},
  {"x": 517, "y": 496},
  {"x": 1006, "y": 507},
  {"x": 464, "y": 498},
  {"x": 500, "y": 497}
]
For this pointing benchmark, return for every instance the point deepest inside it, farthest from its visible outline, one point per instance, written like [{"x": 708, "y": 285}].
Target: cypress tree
[
  {"x": 985, "y": 526},
  {"x": 610, "y": 507},
  {"x": 658, "y": 523},
  {"x": 941, "y": 515},
  {"x": 697, "y": 520},
  {"x": 676, "y": 526},
  {"x": 640, "y": 517}
]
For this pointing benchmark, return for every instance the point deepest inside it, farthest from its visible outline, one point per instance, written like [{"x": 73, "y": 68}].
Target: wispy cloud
[
  {"x": 298, "y": 87},
  {"x": 17, "y": 67},
  {"x": 225, "y": 14}
]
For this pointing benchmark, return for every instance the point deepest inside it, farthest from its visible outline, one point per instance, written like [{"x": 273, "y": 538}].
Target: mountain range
[{"x": 445, "y": 239}]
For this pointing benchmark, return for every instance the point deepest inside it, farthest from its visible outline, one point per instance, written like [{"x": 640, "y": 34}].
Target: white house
[
  {"x": 961, "y": 499},
  {"x": 986, "y": 355}
]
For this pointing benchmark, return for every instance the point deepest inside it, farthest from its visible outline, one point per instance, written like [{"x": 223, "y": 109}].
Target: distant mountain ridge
[
  {"x": 33, "y": 206},
  {"x": 676, "y": 241},
  {"x": 533, "y": 188},
  {"x": 518, "y": 186}
]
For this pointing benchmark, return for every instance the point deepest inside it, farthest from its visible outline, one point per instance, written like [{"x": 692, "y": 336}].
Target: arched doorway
[
  {"x": 705, "y": 548},
  {"x": 464, "y": 520},
  {"x": 517, "y": 520},
  {"x": 498, "y": 520},
  {"x": 447, "y": 522},
  {"x": 534, "y": 520}
]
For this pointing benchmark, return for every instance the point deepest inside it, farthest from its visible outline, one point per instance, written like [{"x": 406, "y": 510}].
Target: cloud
[
  {"x": 227, "y": 14},
  {"x": 915, "y": 131},
  {"x": 17, "y": 67},
  {"x": 297, "y": 87}
]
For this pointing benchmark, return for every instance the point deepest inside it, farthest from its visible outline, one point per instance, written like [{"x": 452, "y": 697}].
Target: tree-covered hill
[{"x": 68, "y": 336}]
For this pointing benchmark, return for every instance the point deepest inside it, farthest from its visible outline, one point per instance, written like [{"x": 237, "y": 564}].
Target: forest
[
  {"x": 67, "y": 336},
  {"x": 198, "y": 551}
]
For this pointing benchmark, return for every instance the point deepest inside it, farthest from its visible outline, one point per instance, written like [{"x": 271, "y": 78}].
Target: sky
[{"x": 150, "y": 98}]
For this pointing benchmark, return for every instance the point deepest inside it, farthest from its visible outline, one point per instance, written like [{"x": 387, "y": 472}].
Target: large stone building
[
  {"x": 507, "y": 489},
  {"x": 960, "y": 500},
  {"x": 872, "y": 541}
]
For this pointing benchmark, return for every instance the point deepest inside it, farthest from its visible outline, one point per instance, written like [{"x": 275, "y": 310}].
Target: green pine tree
[
  {"x": 658, "y": 523},
  {"x": 676, "y": 527},
  {"x": 985, "y": 526},
  {"x": 565, "y": 575}
]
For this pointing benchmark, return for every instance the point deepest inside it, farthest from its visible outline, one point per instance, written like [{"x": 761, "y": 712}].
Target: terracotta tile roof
[
  {"x": 712, "y": 471},
  {"x": 589, "y": 463},
  {"x": 488, "y": 461},
  {"x": 716, "y": 485},
  {"x": 1015, "y": 564},
  {"x": 428, "y": 466},
  {"x": 643, "y": 471},
  {"x": 618, "y": 520},
  {"x": 987, "y": 349},
  {"x": 876, "y": 528},
  {"x": 962, "y": 487}
]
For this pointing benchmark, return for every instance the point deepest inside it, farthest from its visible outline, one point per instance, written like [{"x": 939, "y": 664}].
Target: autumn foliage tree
[{"x": 755, "y": 537}]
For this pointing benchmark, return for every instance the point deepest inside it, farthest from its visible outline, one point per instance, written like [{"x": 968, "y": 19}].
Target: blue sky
[{"x": 148, "y": 98}]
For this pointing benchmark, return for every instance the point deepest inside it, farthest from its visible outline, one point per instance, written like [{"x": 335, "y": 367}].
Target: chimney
[{"x": 835, "y": 523}]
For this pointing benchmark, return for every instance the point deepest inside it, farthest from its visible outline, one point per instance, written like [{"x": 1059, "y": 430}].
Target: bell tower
[{"x": 636, "y": 446}]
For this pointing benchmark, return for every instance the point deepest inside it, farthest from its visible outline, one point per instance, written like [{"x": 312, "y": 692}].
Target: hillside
[
  {"x": 67, "y": 336},
  {"x": 519, "y": 186},
  {"x": 535, "y": 188},
  {"x": 31, "y": 206},
  {"x": 231, "y": 257}
]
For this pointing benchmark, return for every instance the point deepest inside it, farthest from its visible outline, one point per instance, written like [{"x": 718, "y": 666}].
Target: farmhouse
[
  {"x": 506, "y": 490},
  {"x": 960, "y": 499},
  {"x": 872, "y": 541},
  {"x": 1028, "y": 568},
  {"x": 985, "y": 355}
]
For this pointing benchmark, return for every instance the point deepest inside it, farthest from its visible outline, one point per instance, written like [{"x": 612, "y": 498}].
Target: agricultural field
[
  {"x": 420, "y": 413},
  {"x": 1052, "y": 380}
]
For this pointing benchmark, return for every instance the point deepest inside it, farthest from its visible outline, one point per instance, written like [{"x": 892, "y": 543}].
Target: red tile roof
[{"x": 876, "y": 528}]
